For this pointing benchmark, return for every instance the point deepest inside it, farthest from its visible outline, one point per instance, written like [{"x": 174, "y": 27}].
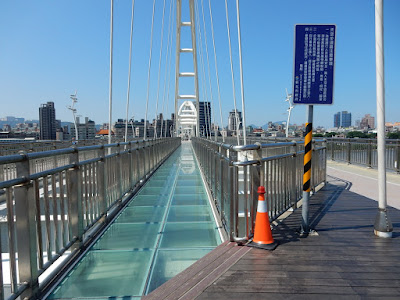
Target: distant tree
[
  {"x": 372, "y": 135},
  {"x": 356, "y": 134},
  {"x": 330, "y": 134},
  {"x": 318, "y": 135},
  {"x": 394, "y": 135}
]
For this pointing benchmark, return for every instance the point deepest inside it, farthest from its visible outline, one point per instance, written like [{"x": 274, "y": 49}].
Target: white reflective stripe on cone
[{"x": 262, "y": 206}]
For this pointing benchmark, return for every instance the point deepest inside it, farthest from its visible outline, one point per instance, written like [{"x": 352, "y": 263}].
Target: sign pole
[
  {"x": 383, "y": 226},
  {"x": 305, "y": 228}
]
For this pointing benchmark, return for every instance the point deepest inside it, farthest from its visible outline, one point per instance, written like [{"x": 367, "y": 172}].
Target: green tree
[
  {"x": 330, "y": 134},
  {"x": 394, "y": 135},
  {"x": 356, "y": 134}
]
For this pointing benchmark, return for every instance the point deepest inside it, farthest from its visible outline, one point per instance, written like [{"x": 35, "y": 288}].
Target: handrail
[
  {"x": 233, "y": 174},
  {"x": 54, "y": 197}
]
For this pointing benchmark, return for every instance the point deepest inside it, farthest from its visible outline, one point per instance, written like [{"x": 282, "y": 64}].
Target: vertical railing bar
[
  {"x": 62, "y": 207},
  {"x": 47, "y": 218},
  {"x": 57, "y": 239},
  {"x": 11, "y": 240}
]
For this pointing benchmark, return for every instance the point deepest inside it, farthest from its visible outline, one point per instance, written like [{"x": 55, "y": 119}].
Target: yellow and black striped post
[
  {"x": 307, "y": 158},
  {"x": 307, "y": 172}
]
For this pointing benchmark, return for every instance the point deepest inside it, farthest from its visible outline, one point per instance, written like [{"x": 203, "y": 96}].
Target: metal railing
[
  {"x": 364, "y": 152},
  {"x": 51, "y": 208},
  {"x": 234, "y": 173}
]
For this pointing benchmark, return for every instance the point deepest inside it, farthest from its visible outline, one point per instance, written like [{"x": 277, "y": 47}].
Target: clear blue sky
[{"x": 49, "y": 49}]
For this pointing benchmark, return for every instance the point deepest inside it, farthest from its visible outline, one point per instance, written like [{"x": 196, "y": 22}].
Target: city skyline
[{"x": 51, "y": 49}]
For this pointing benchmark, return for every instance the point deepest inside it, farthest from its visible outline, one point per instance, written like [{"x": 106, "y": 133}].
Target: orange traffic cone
[{"x": 262, "y": 233}]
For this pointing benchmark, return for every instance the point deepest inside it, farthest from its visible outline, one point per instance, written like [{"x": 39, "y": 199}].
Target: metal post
[
  {"x": 383, "y": 226},
  {"x": 398, "y": 157},
  {"x": 349, "y": 151},
  {"x": 293, "y": 198},
  {"x": 25, "y": 211},
  {"x": 75, "y": 199},
  {"x": 101, "y": 181},
  {"x": 307, "y": 172},
  {"x": 369, "y": 154}
]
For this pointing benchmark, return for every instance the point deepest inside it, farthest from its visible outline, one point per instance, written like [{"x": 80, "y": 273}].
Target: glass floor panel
[
  {"x": 184, "y": 235},
  {"x": 139, "y": 214},
  {"x": 165, "y": 228},
  {"x": 188, "y": 213},
  {"x": 189, "y": 190},
  {"x": 107, "y": 274},
  {"x": 129, "y": 237},
  {"x": 148, "y": 200},
  {"x": 188, "y": 199}
]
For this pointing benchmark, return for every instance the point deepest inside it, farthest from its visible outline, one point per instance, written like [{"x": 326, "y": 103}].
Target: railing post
[
  {"x": 25, "y": 212},
  {"x": 74, "y": 190},
  {"x": 102, "y": 181},
  {"x": 120, "y": 164},
  {"x": 369, "y": 154},
  {"x": 349, "y": 151},
  {"x": 332, "y": 149},
  {"x": 293, "y": 189},
  {"x": 257, "y": 180},
  {"x": 398, "y": 157},
  {"x": 233, "y": 195}
]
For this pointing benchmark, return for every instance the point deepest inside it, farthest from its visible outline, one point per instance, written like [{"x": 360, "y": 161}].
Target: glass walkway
[{"x": 165, "y": 228}]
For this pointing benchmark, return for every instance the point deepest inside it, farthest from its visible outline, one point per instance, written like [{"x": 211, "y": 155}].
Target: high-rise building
[
  {"x": 336, "y": 120},
  {"x": 86, "y": 131},
  {"x": 205, "y": 118},
  {"x": 346, "y": 119},
  {"x": 368, "y": 122},
  {"x": 342, "y": 119},
  {"x": 234, "y": 118},
  {"x": 47, "y": 120}
]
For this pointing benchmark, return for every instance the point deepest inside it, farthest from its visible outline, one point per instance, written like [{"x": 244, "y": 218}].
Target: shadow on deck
[{"x": 344, "y": 260}]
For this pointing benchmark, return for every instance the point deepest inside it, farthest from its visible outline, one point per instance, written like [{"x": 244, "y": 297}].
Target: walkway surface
[{"x": 344, "y": 260}]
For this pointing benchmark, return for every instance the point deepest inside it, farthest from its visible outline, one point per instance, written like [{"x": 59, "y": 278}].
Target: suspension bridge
[{"x": 170, "y": 218}]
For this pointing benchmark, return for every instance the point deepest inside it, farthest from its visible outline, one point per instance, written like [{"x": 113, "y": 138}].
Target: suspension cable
[
  {"x": 159, "y": 69},
  {"x": 148, "y": 73},
  {"x": 111, "y": 74},
  {"x": 202, "y": 67},
  {"x": 208, "y": 67},
  {"x": 241, "y": 72},
  {"x": 166, "y": 65},
  {"x": 169, "y": 77},
  {"x": 129, "y": 75},
  {"x": 233, "y": 77},
  {"x": 216, "y": 68}
]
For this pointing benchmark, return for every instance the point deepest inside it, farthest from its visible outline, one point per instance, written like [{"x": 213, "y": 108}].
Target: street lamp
[
  {"x": 288, "y": 97},
  {"x": 74, "y": 99}
]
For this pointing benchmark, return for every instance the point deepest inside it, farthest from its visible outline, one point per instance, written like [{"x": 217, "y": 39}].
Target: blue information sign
[{"x": 314, "y": 64}]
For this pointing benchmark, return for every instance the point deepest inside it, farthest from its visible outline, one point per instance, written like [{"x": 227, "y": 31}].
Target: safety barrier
[
  {"x": 363, "y": 152},
  {"x": 234, "y": 173},
  {"x": 55, "y": 208}
]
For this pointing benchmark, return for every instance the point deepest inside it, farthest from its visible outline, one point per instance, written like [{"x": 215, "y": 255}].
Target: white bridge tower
[{"x": 186, "y": 106}]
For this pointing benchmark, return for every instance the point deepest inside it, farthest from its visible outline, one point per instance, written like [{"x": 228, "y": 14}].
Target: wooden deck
[{"x": 345, "y": 260}]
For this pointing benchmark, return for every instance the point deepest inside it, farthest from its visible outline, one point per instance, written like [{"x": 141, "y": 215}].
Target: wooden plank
[
  {"x": 345, "y": 260},
  {"x": 170, "y": 286}
]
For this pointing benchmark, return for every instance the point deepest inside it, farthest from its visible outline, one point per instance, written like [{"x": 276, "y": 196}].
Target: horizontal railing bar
[
  {"x": 50, "y": 172},
  {"x": 12, "y": 182},
  {"x": 9, "y": 159},
  {"x": 276, "y": 157}
]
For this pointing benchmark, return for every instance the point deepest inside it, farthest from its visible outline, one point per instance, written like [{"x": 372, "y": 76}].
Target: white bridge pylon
[{"x": 187, "y": 116}]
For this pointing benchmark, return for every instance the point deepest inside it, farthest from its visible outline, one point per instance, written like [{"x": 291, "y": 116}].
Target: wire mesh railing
[{"x": 52, "y": 207}]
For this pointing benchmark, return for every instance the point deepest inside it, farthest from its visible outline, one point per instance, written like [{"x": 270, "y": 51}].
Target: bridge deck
[{"x": 344, "y": 260}]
